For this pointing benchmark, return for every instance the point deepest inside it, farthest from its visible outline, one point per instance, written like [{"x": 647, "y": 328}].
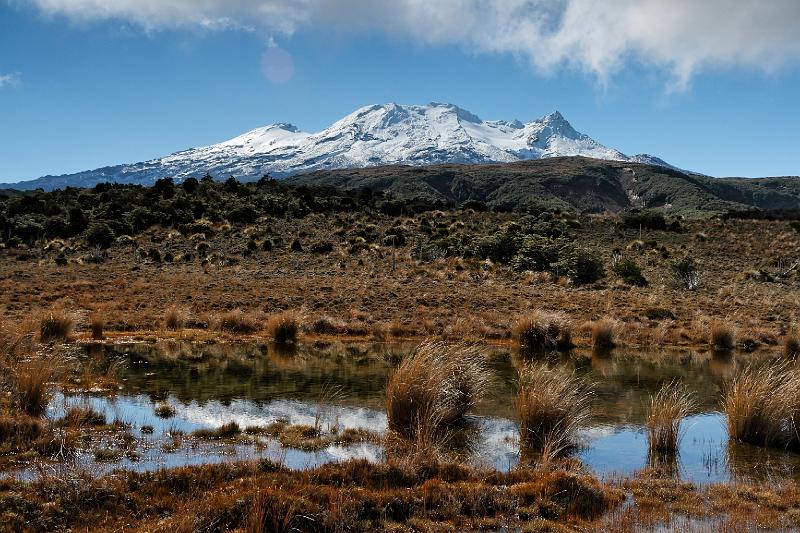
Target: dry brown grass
[
  {"x": 237, "y": 321},
  {"x": 283, "y": 327},
  {"x": 541, "y": 331},
  {"x": 551, "y": 405},
  {"x": 762, "y": 403},
  {"x": 603, "y": 334},
  {"x": 791, "y": 346},
  {"x": 56, "y": 325},
  {"x": 175, "y": 318},
  {"x": 97, "y": 324},
  {"x": 33, "y": 382},
  {"x": 722, "y": 337},
  {"x": 433, "y": 388},
  {"x": 668, "y": 407}
]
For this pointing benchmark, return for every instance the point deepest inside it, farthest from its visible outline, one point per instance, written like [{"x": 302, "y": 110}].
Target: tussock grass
[
  {"x": 668, "y": 407},
  {"x": 237, "y": 321},
  {"x": 55, "y": 325},
  {"x": 19, "y": 431},
  {"x": 433, "y": 388},
  {"x": 603, "y": 334},
  {"x": 551, "y": 405},
  {"x": 80, "y": 416},
  {"x": 762, "y": 404},
  {"x": 541, "y": 331},
  {"x": 33, "y": 382},
  {"x": 225, "y": 431},
  {"x": 97, "y": 324},
  {"x": 791, "y": 346},
  {"x": 175, "y": 318},
  {"x": 283, "y": 327},
  {"x": 164, "y": 410},
  {"x": 722, "y": 337}
]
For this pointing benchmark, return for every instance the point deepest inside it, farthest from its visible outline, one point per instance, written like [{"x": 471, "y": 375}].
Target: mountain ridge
[{"x": 374, "y": 135}]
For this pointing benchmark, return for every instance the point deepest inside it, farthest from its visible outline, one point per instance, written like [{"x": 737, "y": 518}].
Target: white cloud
[
  {"x": 7, "y": 80},
  {"x": 599, "y": 37}
]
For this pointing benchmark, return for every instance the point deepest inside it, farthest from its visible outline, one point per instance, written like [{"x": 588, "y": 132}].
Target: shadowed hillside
[{"x": 569, "y": 183}]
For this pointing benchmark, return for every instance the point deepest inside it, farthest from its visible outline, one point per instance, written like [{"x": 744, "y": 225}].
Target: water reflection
[{"x": 255, "y": 384}]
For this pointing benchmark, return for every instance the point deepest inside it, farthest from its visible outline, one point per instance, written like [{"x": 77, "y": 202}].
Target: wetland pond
[{"x": 336, "y": 386}]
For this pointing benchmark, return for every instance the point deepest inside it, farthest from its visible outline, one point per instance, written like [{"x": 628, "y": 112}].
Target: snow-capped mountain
[{"x": 373, "y": 135}]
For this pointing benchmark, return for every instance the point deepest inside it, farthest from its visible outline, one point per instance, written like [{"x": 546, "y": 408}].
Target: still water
[{"x": 255, "y": 384}]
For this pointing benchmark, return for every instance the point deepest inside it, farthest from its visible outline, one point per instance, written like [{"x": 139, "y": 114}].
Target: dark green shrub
[
  {"x": 100, "y": 234},
  {"x": 536, "y": 253},
  {"x": 644, "y": 219},
  {"x": 579, "y": 265},
  {"x": 630, "y": 272},
  {"x": 245, "y": 214}
]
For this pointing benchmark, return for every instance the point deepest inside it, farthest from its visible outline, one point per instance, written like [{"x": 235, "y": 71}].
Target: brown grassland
[
  {"x": 295, "y": 289},
  {"x": 383, "y": 291}
]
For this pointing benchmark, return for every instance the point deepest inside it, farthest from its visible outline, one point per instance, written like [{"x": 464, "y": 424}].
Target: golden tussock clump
[
  {"x": 237, "y": 321},
  {"x": 603, "y": 333},
  {"x": 541, "y": 331},
  {"x": 55, "y": 325},
  {"x": 551, "y": 404},
  {"x": 175, "y": 318},
  {"x": 791, "y": 346},
  {"x": 668, "y": 407},
  {"x": 97, "y": 324},
  {"x": 434, "y": 387},
  {"x": 722, "y": 337},
  {"x": 762, "y": 404},
  {"x": 33, "y": 382},
  {"x": 283, "y": 327}
]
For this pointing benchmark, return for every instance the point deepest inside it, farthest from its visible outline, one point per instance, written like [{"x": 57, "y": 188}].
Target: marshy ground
[{"x": 251, "y": 370}]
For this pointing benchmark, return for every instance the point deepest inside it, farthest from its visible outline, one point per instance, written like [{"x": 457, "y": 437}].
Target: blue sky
[{"x": 79, "y": 90}]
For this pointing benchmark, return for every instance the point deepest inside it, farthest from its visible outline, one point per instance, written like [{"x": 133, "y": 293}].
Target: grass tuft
[
  {"x": 225, "y": 431},
  {"x": 761, "y": 404},
  {"x": 551, "y": 405},
  {"x": 603, "y": 333},
  {"x": 722, "y": 337},
  {"x": 237, "y": 321},
  {"x": 97, "y": 324},
  {"x": 668, "y": 407},
  {"x": 175, "y": 318},
  {"x": 55, "y": 325},
  {"x": 283, "y": 327},
  {"x": 791, "y": 346},
  {"x": 33, "y": 382},
  {"x": 164, "y": 410},
  {"x": 81, "y": 416},
  {"x": 541, "y": 331},
  {"x": 433, "y": 388}
]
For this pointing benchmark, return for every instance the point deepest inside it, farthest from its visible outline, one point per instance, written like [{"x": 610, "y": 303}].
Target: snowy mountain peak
[{"x": 381, "y": 134}]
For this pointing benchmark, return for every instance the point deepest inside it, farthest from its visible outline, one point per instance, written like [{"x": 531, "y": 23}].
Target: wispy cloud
[
  {"x": 7, "y": 80},
  {"x": 680, "y": 37}
]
